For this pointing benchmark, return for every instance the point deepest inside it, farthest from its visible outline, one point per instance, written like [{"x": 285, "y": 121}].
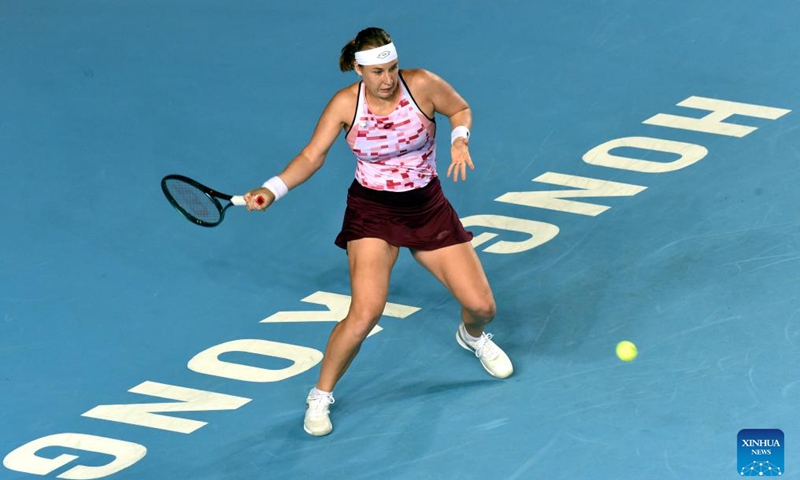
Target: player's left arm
[{"x": 447, "y": 101}]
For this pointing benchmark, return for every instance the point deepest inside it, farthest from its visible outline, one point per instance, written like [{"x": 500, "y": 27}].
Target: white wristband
[
  {"x": 277, "y": 187},
  {"x": 459, "y": 132}
]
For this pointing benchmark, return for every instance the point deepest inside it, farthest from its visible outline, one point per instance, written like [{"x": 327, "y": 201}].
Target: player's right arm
[{"x": 334, "y": 118}]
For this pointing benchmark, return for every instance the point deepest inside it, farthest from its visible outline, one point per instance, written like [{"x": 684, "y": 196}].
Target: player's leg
[
  {"x": 371, "y": 261},
  {"x": 461, "y": 272}
]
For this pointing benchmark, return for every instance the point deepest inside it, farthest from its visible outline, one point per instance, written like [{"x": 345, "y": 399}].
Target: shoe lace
[
  {"x": 485, "y": 347},
  {"x": 318, "y": 405}
]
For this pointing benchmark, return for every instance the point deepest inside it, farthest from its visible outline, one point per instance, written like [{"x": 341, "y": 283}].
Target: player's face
[{"x": 380, "y": 80}]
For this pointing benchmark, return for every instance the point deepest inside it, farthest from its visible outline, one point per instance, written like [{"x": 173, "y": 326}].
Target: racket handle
[{"x": 238, "y": 200}]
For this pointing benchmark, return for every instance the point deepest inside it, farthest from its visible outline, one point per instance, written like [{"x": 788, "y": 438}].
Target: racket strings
[{"x": 194, "y": 201}]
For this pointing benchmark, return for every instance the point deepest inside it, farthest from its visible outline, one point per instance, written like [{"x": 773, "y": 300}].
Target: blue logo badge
[{"x": 760, "y": 453}]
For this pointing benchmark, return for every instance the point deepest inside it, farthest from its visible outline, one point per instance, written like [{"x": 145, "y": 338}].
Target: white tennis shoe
[
  {"x": 317, "y": 421},
  {"x": 493, "y": 359}
]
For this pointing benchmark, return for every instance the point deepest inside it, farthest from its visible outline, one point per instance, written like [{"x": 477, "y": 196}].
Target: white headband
[{"x": 377, "y": 56}]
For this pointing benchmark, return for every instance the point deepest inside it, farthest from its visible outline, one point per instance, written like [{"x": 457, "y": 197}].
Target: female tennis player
[{"x": 395, "y": 201}]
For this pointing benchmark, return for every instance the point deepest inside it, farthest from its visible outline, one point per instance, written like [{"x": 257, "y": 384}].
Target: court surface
[{"x": 681, "y": 236}]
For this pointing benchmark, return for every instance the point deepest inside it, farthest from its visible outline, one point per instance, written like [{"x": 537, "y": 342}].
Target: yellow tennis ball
[{"x": 626, "y": 351}]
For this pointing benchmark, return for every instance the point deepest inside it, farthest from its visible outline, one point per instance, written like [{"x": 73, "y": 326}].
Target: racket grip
[{"x": 239, "y": 201}]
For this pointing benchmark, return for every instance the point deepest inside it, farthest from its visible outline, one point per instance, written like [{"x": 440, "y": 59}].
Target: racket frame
[{"x": 212, "y": 194}]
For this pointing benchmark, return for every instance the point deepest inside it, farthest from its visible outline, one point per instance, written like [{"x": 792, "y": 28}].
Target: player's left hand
[{"x": 459, "y": 153}]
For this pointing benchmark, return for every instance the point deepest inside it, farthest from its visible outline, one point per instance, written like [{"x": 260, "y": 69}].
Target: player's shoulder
[
  {"x": 345, "y": 99},
  {"x": 421, "y": 80},
  {"x": 421, "y": 75},
  {"x": 349, "y": 92}
]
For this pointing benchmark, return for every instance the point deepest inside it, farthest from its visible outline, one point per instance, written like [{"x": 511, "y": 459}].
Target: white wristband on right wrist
[
  {"x": 459, "y": 132},
  {"x": 276, "y": 186}
]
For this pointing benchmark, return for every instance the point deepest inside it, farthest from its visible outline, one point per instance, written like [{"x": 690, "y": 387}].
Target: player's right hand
[{"x": 258, "y": 199}]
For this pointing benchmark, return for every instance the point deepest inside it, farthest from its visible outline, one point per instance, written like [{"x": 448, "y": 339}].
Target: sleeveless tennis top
[{"x": 396, "y": 152}]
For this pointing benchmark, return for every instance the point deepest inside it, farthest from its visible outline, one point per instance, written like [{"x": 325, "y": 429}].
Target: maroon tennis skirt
[{"x": 420, "y": 219}]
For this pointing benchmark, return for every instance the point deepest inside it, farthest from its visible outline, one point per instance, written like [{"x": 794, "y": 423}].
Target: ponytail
[{"x": 348, "y": 57}]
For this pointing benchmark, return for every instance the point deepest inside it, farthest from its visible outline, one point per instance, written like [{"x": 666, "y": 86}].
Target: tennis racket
[{"x": 200, "y": 205}]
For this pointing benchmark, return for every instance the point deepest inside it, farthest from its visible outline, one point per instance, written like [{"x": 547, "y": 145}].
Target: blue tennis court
[{"x": 636, "y": 179}]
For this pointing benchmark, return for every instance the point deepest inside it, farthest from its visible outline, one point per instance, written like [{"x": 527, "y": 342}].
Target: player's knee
[
  {"x": 485, "y": 310},
  {"x": 360, "y": 323}
]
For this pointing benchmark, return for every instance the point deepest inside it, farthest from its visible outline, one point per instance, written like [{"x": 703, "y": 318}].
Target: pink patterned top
[{"x": 396, "y": 152}]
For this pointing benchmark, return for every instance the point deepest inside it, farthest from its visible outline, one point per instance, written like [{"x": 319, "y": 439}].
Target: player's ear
[{"x": 357, "y": 68}]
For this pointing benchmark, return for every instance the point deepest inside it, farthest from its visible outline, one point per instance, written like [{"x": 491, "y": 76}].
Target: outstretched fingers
[{"x": 461, "y": 159}]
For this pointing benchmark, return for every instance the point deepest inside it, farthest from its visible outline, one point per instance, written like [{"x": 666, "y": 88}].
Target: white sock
[
  {"x": 319, "y": 392},
  {"x": 469, "y": 337}
]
